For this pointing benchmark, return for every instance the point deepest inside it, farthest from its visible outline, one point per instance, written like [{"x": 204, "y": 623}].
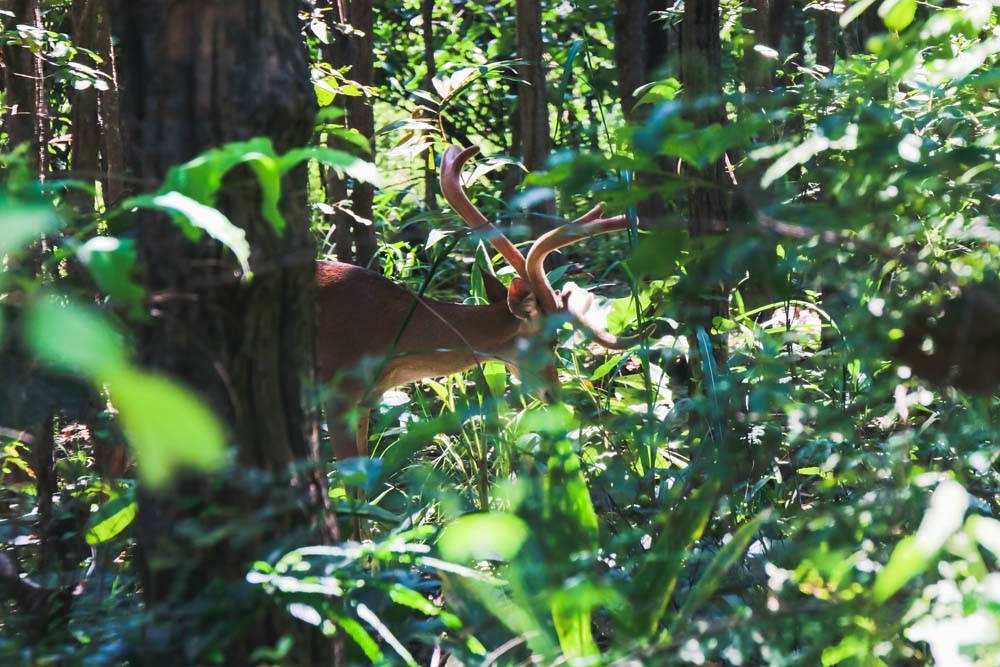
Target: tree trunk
[
  {"x": 533, "y": 111},
  {"x": 86, "y": 159},
  {"x": 825, "y": 38},
  {"x": 190, "y": 83},
  {"x": 354, "y": 235},
  {"x": 756, "y": 67},
  {"x": 701, "y": 69},
  {"x": 26, "y": 97},
  {"x": 430, "y": 65}
]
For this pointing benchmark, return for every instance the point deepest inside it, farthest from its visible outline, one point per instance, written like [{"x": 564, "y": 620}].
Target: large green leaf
[
  {"x": 169, "y": 428},
  {"x": 492, "y": 535},
  {"x": 111, "y": 262},
  {"x": 73, "y": 338},
  {"x": 21, "y": 223},
  {"x": 653, "y": 585},
  {"x": 112, "y": 518}
]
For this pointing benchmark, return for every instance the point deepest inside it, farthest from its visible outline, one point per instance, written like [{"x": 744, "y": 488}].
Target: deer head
[{"x": 530, "y": 294}]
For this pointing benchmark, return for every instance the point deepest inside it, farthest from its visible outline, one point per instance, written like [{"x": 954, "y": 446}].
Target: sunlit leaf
[
  {"x": 20, "y": 224},
  {"x": 111, "y": 262},
  {"x": 167, "y": 426},
  {"x": 489, "y": 536},
  {"x": 74, "y": 338},
  {"x": 112, "y": 518},
  {"x": 897, "y": 14}
]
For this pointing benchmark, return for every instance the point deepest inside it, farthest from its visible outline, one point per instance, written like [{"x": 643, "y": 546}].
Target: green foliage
[{"x": 785, "y": 481}]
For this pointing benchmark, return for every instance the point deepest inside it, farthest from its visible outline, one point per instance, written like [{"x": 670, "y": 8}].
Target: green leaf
[
  {"x": 489, "y": 536},
  {"x": 111, "y": 262},
  {"x": 111, "y": 518},
  {"x": 573, "y": 627},
  {"x": 73, "y": 338},
  {"x": 357, "y": 632},
  {"x": 712, "y": 578},
  {"x": 551, "y": 419},
  {"x": 21, "y": 224},
  {"x": 201, "y": 216},
  {"x": 654, "y": 582},
  {"x": 897, "y": 14},
  {"x": 915, "y": 553},
  {"x": 168, "y": 427},
  {"x": 343, "y": 162}
]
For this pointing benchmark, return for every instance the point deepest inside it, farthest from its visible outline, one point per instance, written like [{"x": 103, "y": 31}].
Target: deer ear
[
  {"x": 496, "y": 291},
  {"x": 521, "y": 301}
]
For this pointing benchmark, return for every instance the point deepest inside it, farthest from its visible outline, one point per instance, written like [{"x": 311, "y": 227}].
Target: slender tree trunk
[
  {"x": 640, "y": 47},
  {"x": 532, "y": 104},
  {"x": 825, "y": 38},
  {"x": 354, "y": 235},
  {"x": 26, "y": 96},
  {"x": 430, "y": 65},
  {"x": 701, "y": 68},
  {"x": 86, "y": 159},
  {"x": 756, "y": 67},
  {"x": 190, "y": 83}
]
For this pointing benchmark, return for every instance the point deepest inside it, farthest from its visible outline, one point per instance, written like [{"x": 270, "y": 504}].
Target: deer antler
[
  {"x": 451, "y": 187},
  {"x": 572, "y": 299}
]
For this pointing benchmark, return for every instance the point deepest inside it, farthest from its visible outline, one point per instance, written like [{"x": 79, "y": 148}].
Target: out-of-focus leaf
[
  {"x": 552, "y": 419},
  {"x": 365, "y": 642},
  {"x": 897, "y": 14},
  {"x": 20, "y": 224},
  {"x": 111, "y": 262},
  {"x": 915, "y": 553},
  {"x": 654, "y": 582},
  {"x": 372, "y": 619},
  {"x": 73, "y": 338},
  {"x": 112, "y": 518},
  {"x": 573, "y": 627},
  {"x": 489, "y": 536},
  {"x": 167, "y": 426},
  {"x": 710, "y": 580},
  {"x": 353, "y": 166}
]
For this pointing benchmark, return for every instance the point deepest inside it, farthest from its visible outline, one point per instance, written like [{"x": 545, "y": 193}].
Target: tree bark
[
  {"x": 26, "y": 96},
  {"x": 701, "y": 70},
  {"x": 354, "y": 240},
  {"x": 189, "y": 83},
  {"x": 756, "y": 67},
  {"x": 825, "y": 38},
  {"x": 532, "y": 104}
]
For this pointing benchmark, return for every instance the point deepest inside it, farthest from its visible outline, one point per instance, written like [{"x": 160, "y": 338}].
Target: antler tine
[
  {"x": 451, "y": 187},
  {"x": 589, "y": 224}
]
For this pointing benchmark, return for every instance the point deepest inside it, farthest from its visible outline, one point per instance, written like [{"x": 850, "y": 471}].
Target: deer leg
[{"x": 343, "y": 438}]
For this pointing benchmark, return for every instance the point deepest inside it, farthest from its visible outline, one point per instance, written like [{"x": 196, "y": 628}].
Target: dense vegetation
[{"x": 797, "y": 465}]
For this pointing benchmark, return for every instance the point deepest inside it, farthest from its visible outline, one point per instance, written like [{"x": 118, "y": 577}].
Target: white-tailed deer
[{"x": 405, "y": 337}]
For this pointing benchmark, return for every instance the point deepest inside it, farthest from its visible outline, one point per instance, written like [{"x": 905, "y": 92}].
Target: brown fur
[{"x": 373, "y": 335}]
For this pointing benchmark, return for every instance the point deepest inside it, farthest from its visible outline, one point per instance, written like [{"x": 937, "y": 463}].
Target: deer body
[
  {"x": 364, "y": 316},
  {"x": 373, "y": 335}
]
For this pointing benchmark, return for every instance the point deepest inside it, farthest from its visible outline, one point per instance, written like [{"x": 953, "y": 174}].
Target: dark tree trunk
[
  {"x": 640, "y": 48},
  {"x": 701, "y": 69},
  {"x": 825, "y": 38},
  {"x": 86, "y": 158},
  {"x": 354, "y": 235},
  {"x": 756, "y": 67},
  {"x": 26, "y": 98},
  {"x": 189, "y": 83},
  {"x": 532, "y": 104}
]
